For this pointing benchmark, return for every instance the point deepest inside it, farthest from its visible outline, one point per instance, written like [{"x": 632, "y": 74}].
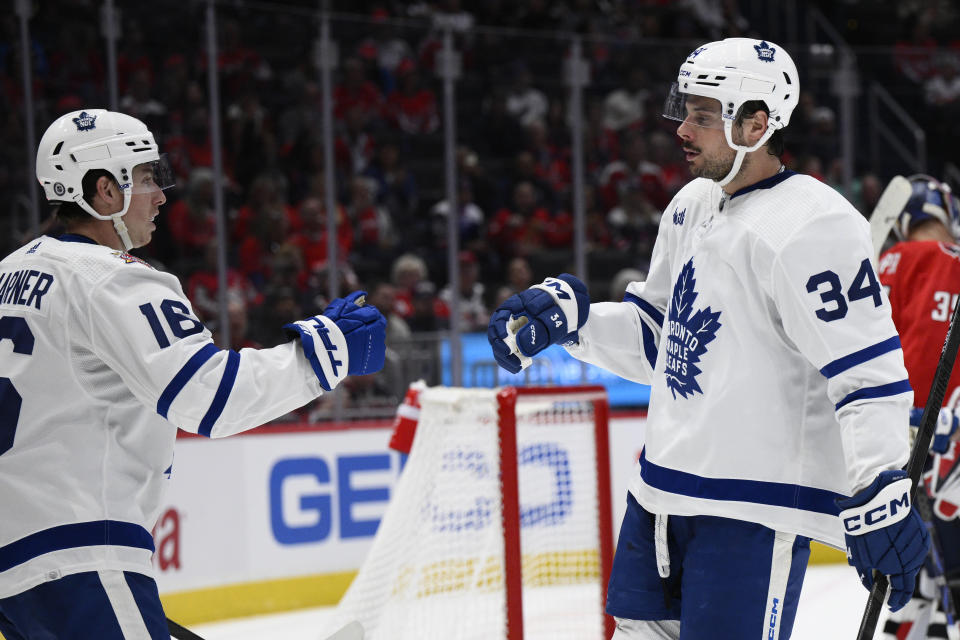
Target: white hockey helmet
[
  {"x": 81, "y": 141},
  {"x": 735, "y": 71}
]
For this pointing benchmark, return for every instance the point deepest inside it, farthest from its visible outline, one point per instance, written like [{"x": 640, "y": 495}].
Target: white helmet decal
[{"x": 85, "y": 121}]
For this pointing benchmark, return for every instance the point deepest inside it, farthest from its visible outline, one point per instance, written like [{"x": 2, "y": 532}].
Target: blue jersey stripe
[
  {"x": 881, "y": 391},
  {"x": 777, "y": 494},
  {"x": 859, "y": 357},
  {"x": 223, "y": 392},
  {"x": 646, "y": 307},
  {"x": 649, "y": 346},
  {"x": 71, "y": 536},
  {"x": 306, "y": 343},
  {"x": 183, "y": 376}
]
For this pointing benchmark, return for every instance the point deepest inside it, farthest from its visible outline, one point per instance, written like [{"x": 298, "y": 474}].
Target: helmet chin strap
[
  {"x": 741, "y": 151},
  {"x": 117, "y": 218},
  {"x": 735, "y": 168},
  {"x": 121, "y": 229}
]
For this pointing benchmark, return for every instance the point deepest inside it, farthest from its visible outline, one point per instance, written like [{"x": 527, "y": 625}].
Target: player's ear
[
  {"x": 108, "y": 192},
  {"x": 755, "y": 126}
]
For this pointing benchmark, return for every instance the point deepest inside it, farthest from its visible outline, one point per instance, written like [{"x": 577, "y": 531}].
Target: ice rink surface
[{"x": 831, "y": 606}]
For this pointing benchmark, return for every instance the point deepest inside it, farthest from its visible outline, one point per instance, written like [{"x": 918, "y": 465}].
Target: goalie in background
[
  {"x": 921, "y": 274},
  {"x": 779, "y": 399},
  {"x": 103, "y": 359}
]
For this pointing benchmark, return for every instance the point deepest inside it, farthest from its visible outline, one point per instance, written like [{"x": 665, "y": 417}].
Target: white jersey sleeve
[
  {"x": 624, "y": 337},
  {"x": 833, "y": 307},
  {"x": 141, "y": 324}
]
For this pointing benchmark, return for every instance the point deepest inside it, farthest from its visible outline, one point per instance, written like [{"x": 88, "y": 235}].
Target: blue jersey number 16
[{"x": 15, "y": 329}]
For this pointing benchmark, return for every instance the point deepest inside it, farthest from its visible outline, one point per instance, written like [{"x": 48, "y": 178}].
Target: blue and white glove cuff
[
  {"x": 325, "y": 348},
  {"x": 565, "y": 298},
  {"x": 890, "y": 505}
]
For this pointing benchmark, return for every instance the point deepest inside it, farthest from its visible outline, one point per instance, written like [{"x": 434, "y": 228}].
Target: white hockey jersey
[
  {"x": 777, "y": 378},
  {"x": 101, "y": 360}
]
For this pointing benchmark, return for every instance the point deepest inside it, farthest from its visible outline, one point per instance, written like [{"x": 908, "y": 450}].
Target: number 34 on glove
[{"x": 528, "y": 322}]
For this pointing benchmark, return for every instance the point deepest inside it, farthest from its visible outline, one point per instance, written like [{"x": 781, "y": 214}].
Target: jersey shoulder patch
[{"x": 130, "y": 259}]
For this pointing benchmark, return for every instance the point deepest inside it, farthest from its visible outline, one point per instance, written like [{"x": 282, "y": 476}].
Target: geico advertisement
[{"x": 275, "y": 505}]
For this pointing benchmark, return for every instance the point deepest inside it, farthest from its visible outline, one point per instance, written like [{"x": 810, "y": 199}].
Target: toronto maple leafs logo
[
  {"x": 695, "y": 53},
  {"x": 689, "y": 333},
  {"x": 679, "y": 215},
  {"x": 85, "y": 121},
  {"x": 764, "y": 51}
]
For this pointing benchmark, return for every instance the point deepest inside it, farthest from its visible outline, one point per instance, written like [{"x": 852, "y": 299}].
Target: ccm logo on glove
[{"x": 890, "y": 505}]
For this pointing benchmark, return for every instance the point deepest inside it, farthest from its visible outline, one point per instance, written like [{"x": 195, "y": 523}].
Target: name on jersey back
[{"x": 24, "y": 287}]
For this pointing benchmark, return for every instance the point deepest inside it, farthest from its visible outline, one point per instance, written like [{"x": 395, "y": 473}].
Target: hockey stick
[
  {"x": 179, "y": 632},
  {"x": 891, "y": 203},
  {"x": 921, "y": 449}
]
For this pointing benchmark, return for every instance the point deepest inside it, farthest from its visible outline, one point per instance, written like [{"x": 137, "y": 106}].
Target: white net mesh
[{"x": 436, "y": 567}]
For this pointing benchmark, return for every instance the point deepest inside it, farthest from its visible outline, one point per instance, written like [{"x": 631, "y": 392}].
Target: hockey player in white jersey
[
  {"x": 779, "y": 399},
  {"x": 102, "y": 359}
]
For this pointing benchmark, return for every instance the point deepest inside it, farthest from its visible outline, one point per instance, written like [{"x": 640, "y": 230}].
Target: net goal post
[{"x": 500, "y": 524}]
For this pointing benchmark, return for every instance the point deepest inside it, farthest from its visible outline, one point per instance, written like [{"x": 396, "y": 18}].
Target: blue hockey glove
[
  {"x": 530, "y": 321},
  {"x": 884, "y": 532},
  {"x": 349, "y": 338},
  {"x": 947, "y": 424}
]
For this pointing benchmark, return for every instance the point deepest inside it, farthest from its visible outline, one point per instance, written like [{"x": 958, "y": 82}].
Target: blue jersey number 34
[{"x": 828, "y": 285}]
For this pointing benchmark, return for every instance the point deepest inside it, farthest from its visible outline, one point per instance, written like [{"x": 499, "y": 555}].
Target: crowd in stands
[{"x": 513, "y": 152}]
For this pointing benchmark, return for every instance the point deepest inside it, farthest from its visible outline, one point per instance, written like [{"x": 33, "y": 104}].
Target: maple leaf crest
[{"x": 689, "y": 332}]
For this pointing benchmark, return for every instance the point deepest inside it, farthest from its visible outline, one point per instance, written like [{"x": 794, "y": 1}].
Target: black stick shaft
[
  {"x": 179, "y": 632},
  {"x": 921, "y": 448}
]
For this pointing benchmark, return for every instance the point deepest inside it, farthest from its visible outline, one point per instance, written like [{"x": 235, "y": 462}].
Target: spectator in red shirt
[
  {"x": 261, "y": 226},
  {"x": 192, "y": 221},
  {"x": 240, "y": 66},
  {"x": 411, "y": 108},
  {"x": 526, "y": 225},
  {"x": 192, "y": 148},
  {"x": 634, "y": 166},
  {"x": 311, "y": 240},
  {"x": 203, "y": 287},
  {"x": 356, "y": 92},
  {"x": 265, "y": 201}
]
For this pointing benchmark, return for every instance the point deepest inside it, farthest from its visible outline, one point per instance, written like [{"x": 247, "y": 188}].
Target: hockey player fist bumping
[
  {"x": 530, "y": 321},
  {"x": 884, "y": 533},
  {"x": 349, "y": 338}
]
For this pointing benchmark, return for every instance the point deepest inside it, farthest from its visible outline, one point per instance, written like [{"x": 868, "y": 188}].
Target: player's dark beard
[{"x": 715, "y": 168}]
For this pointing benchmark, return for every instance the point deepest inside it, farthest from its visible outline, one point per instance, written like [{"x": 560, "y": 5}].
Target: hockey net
[{"x": 499, "y": 526}]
